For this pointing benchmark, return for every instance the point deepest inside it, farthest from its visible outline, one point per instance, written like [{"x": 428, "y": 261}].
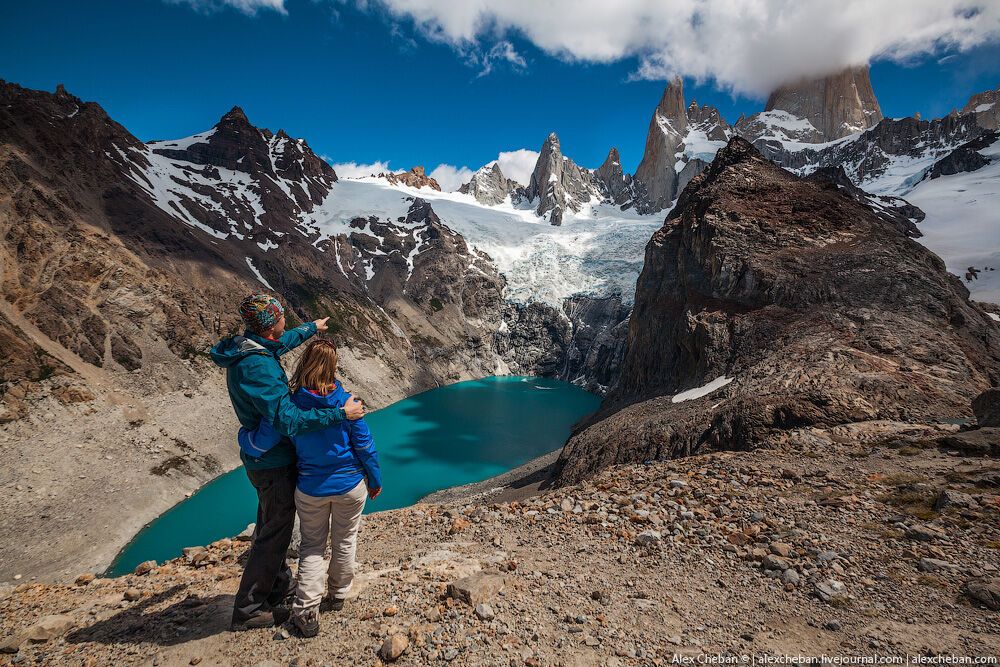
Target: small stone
[
  {"x": 830, "y": 590},
  {"x": 949, "y": 498},
  {"x": 132, "y": 594},
  {"x": 85, "y": 578},
  {"x": 833, "y": 625},
  {"x": 458, "y": 524},
  {"x": 195, "y": 660},
  {"x": 925, "y": 534},
  {"x": 648, "y": 537},
  {"x": 484, "y": 612},
  {"x": 280, "y": 634},
  {"x": 566, "y": 505},
  {"x": 790, "y": 577},
  {"x": 677, "y": 484},
  {"x": 391, "y": 610},
  {"x": 933, "y": 565},
  {"x": 393, "y": 647},
  {"x": 771, "y": 562},
  {"x": 780, "y": 549}
]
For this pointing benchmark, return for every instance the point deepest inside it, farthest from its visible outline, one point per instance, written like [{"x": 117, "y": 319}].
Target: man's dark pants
[{"x": 267, "y": 579}]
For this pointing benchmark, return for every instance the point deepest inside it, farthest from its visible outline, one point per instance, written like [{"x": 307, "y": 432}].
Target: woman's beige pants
[{"x": 336, "y": 518}]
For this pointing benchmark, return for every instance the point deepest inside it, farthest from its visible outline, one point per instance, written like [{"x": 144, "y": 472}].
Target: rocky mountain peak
[
  {"x": 656, "y": 176},
  {"x": 489, "y": 186},
  {"x": 612, "y": 181},
  {"x": 558, "y": 183},
  {"x": 986, "y": 108},
  {"x": 671, "y": 107},
  {"x": 235, "y": 116},
  {"x": 414, "y": 178},
  {"x": 836, "y": 105},
  {"x": 753, "y": 318}
]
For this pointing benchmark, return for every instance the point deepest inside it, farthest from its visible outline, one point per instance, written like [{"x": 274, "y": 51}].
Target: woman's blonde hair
[{"x": 317, "y": 368}]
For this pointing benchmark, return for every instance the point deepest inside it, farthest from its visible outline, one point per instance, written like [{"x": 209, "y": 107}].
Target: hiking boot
[
  {"x": 330, "y": 603},
  {"x": 264, "y": 619},
  {"x": 307, "y": 622}
]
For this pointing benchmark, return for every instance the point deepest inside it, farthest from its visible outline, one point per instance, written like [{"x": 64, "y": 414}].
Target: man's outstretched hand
[
  {"x": 354, "y": 409},
  {"x": 373, "y": 493},
  {"x": 321, "y": 325}
]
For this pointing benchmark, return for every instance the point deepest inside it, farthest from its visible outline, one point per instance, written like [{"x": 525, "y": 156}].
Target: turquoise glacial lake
[{"x": 458, "y": 434}]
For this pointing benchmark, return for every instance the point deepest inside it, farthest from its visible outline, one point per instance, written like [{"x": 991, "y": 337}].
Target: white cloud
[
  {"x": 246, "y": 6},
  {"x": 517, "y": 165},
  {"x": 355, "y": 170},
  {"x": 501, "y": 52},
  {"x": 748, "y": 47},
  {"x": 450, "y": 177}
]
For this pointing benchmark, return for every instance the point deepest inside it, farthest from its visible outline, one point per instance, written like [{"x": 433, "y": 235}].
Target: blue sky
[{"x": 361, "y": 85}]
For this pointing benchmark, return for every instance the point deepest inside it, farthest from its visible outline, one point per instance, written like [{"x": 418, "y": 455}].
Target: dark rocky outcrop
[
  {"x": 894, "y": 210},
  {"x": 986, "y": 407},
  {"x": 964, "y": 158},
  {"x": 819, "y": 311}
]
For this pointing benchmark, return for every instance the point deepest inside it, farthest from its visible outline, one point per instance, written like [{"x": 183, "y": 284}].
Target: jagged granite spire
[
  {"x": 612, "y": 181},
  {"x": 558, "y": 183},
  {"x": 655, "y": 177}
]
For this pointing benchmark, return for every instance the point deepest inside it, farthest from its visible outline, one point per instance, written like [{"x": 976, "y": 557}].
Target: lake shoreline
[
  {"x": 431, "y": 445},
  {"x": 528, "y": 479}
]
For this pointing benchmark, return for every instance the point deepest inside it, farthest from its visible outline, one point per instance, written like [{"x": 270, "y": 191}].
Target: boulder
[
  {"x": 477, "y": 588},
  {"x": 393, "y": 647},
  {"x": 46, "y": 629},
  {"x": 985, "y": 590},
  {"x": 986, "y": 406},
  {"x": 145, "y": 567}
]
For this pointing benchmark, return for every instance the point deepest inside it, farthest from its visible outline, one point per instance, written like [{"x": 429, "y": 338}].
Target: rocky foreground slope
[
  {"x": 853, "y": 540},
  {"x": 793, "y": 304}
]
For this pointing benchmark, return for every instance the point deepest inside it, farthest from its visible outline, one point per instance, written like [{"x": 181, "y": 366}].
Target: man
[{"x": 258, "y": 388}]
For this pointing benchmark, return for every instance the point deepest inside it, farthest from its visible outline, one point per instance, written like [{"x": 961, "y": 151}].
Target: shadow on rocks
[{"x": 185, "y": 620}]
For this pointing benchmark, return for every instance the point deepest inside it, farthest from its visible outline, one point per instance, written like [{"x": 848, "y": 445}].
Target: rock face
[
  {"x": 986, "y": 406},
  {"x": 894, "y": 210},
  {"x": 985, "y": 107},
  {"x": 791, "y": 305},
  {"x": 583, "y": 343},
  {"x": 964, "y": 158},
  {"x": 615, "y": 185},
  {"x": 489, "y": 186},
  {"x": 655, "y": 174},
  {"x": 680, "y": 142},
  {"x": 558, "y": 184},
  {"x": 836, "y": 105},
  {"x": 415, "y": 178}
]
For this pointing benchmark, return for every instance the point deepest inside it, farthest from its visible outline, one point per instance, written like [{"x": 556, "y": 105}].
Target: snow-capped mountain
[
  {"x": 680, "y": 142},
  {"x": 817, "y": 110},
  {"x": 558, "y": 184}
]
